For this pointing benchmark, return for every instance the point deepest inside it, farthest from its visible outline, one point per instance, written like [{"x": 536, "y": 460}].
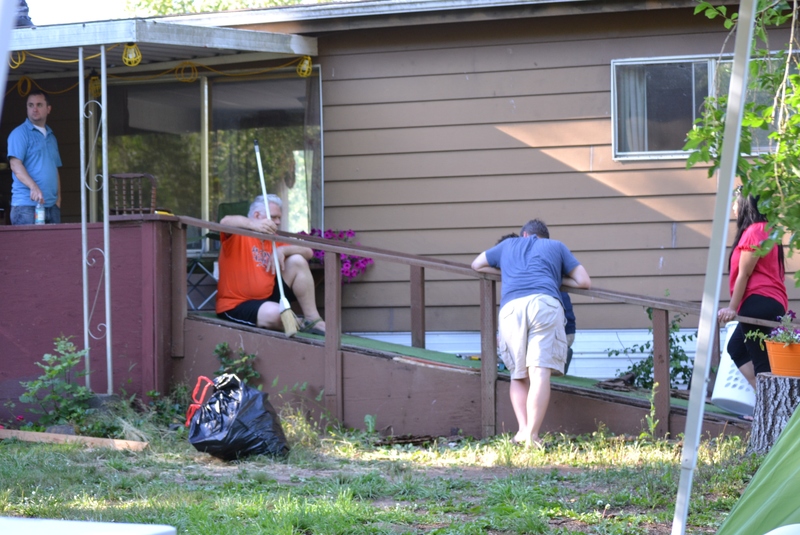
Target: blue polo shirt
[
  {"x": 39, "y": 155},
  {"x": 531, "y": 266}
]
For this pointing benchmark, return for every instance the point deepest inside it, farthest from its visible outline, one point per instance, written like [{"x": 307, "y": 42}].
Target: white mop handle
[{"x": 266, "y": 208}]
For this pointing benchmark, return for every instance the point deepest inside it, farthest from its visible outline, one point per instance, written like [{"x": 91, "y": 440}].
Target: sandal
[{"x": 307, "y": 327}]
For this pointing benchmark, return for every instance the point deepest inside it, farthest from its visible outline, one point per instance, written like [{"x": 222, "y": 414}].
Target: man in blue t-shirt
[
  {"x": 531, "y": 321},
  {"x": 34, "y": 160}
]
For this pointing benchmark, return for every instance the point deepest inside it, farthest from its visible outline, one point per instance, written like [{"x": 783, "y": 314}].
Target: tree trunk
[{"x": 776, "y": 399}]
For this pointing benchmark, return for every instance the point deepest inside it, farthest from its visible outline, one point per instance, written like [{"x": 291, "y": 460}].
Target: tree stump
[{"x": 776, "y": 399}]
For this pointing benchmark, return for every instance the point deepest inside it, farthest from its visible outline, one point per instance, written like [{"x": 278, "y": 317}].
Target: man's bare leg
[
  {"x": 518, "y": 392},
  {"x": 297, "y": 276},
  {"x": 269, "y": 316},
  {"x": 538, "y": 399}
]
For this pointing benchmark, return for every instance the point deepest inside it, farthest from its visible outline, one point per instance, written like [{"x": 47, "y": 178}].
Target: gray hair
[{"x": 258, "y": 204}]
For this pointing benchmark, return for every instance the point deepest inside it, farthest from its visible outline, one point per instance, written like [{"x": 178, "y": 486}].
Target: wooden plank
[
  {"x": 446, "y": 243},
  {"x": 417, "y": 306},
  {"x": 485, "y": 163},
  {"x": 464, "y": 293},
  {"x": 519, "y": 55},
  {"x": 579, "y": 132},
  {"x": 151, "y": 357},
  {"x": 533, "y": 184},
  {"x": 441, "y": 86},
  {"x": 488, "y": 294},
  {"x": 178, "y": 285},
  {"x": 661, "y": 370},
  {"x": 334, "y": 397},
  {"x": 490, "y": 110},
  {"x": 337, "y": 247},
  {"x": 533, "y": 25},
  {"x": 56, "y": 438},
  {"x": 713, "y": 366}
]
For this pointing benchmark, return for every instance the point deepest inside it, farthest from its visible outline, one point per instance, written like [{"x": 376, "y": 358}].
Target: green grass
[{"x": 342, "y": 483}]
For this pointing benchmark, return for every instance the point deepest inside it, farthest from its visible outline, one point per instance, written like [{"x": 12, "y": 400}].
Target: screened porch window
[{"x": 157, "y": 128}]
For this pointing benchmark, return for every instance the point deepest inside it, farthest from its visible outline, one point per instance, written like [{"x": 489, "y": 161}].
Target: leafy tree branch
[{"x": 770, "y": 171}]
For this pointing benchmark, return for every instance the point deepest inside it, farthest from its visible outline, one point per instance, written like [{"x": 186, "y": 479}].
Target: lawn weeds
[{"x": 341, "y": 482}]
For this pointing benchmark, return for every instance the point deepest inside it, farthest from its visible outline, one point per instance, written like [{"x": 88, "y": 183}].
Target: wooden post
[
  {"x": 661, "y": 369},
  {"x": 713, "y": 366},
  {"x": 488, "y": 358},
  {"x": 417, "y": 306},
  {"x": 333, "y": 336},
  {"x": 178, "y": 276}
]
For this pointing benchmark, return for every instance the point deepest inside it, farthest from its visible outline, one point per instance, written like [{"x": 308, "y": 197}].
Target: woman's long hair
[{"x": 747, "y": 213}]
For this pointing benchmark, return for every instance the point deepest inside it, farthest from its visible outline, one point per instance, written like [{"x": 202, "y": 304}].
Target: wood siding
[{"x": 439, "y": 139}]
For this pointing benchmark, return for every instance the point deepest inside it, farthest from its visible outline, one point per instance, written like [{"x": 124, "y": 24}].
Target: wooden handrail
[{"x": 488, "y": 322}]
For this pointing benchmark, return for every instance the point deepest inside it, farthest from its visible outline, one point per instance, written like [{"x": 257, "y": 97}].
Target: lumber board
[{"x": 56, "y": 438}]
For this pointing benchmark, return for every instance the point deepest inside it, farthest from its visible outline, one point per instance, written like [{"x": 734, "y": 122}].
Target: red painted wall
[{"x": 41, "y": 299}]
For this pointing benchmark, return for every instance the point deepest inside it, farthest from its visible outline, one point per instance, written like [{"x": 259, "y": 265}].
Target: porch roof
[{"x": 52, "y": 50}]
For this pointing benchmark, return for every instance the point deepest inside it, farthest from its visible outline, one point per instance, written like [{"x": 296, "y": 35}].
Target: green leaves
[
  {"x": 773, "y": 174},
  {"x": 55, "y": 397},
  {"x": 712, "y": 12},
  {"x": 243, "y": 367}
]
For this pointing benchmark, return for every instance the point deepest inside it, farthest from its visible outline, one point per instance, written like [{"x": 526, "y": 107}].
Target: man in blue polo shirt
[
  {"x": 34, "y": 160},
  {"x": 531, "y": 320}
]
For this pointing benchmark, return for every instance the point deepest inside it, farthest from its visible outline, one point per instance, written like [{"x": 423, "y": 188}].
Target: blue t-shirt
[
  {"x": 39, "y": 155},
  {"x": 531, "y": 266}
]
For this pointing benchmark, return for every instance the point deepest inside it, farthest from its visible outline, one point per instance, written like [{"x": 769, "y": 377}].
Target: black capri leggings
[{"x": 742, "y": 349}]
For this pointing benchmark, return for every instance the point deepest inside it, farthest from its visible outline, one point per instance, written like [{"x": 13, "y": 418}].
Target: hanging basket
[{"x": 784, "y": 360}]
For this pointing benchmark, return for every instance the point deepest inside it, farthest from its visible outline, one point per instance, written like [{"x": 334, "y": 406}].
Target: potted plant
[{"x": 783, "y": 346}]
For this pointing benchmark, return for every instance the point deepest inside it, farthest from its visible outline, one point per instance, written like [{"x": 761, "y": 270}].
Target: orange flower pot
[{"x": 784, "y": 360}]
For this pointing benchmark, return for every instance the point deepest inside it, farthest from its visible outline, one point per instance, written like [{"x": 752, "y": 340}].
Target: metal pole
[
  {"x": 8, "y": 12},
  {"x": 716, "y": 259},
  {"x": 84, "y": 239},
  {"x": 92, "y": 174},
  {"x": 106, "y": 239},
  {"x": 204, "y": 155}
]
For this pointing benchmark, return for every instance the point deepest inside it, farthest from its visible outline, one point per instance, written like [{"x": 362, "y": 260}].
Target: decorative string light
[
  {"x": 304, "y": 67},
  {"x": 94, "y": 85},
  {"x": 15, "y": 59},
  {"x": 131, "y": 55}
]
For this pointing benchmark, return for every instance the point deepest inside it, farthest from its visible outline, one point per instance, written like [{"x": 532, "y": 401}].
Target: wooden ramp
[{"x": 414, "y": 391}]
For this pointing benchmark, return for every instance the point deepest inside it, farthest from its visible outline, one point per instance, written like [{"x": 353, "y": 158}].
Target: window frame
[{"x": 711, "y": 60}]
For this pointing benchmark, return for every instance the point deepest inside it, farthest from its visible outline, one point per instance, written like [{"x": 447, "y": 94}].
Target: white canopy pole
[
  {"x": 716, "y": 260},
  {"x": 106, "y": 235},
  {"x": 84, "y": 236}
]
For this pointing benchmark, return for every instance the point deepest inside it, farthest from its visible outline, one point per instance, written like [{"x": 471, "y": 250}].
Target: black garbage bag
[{"x": 236, "y": 421}]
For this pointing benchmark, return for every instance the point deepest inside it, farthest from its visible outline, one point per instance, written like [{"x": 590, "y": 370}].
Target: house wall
[
  {"x": 41, "y": 281},
  {"x": 440, "y": 138}
]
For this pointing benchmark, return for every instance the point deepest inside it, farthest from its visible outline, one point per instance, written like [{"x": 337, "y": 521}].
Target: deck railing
[{"x": 487, "y": 286}]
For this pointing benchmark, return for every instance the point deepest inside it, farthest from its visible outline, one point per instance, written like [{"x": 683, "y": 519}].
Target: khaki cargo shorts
[{"x": 531, "y": 333}]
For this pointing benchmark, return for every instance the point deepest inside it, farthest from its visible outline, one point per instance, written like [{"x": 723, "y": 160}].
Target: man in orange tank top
[{"x": 247, "y": 291}]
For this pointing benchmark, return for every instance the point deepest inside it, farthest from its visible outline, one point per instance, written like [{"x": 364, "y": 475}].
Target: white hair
[{"x": 258, "y": 204}]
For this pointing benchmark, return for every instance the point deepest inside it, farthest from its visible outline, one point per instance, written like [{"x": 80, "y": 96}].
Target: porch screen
[{"x": 156, "y": 128}]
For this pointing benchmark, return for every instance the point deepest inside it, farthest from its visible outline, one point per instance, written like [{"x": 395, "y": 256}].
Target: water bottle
[{"x": 40, "y": 214}]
